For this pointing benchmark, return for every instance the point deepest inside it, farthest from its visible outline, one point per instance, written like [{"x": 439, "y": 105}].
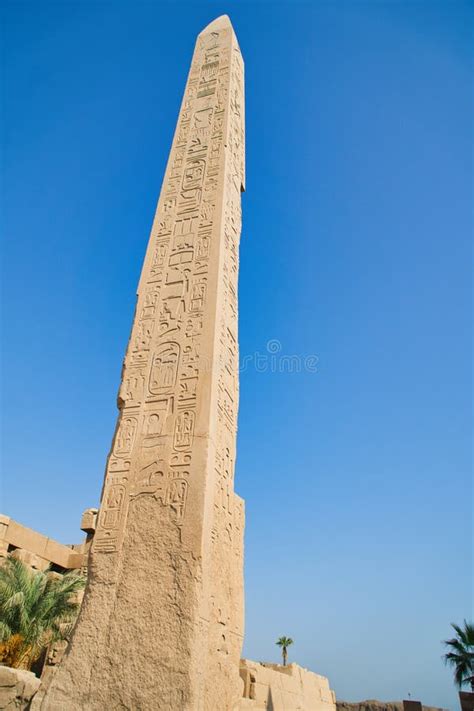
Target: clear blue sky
[{"x": 355, "y": 248}]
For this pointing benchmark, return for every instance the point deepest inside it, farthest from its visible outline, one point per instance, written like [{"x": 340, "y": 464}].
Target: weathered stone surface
[
  {"x": 17, "y": 686},
  {"x": 161, "y": 625},
  {"x": 290, "y": 688},
  {"x": 89, "y": 520},
  {"x": 29, "y": 558},
  {"x": 375, "y": 705},
  {"x": 33, "y": 548}
]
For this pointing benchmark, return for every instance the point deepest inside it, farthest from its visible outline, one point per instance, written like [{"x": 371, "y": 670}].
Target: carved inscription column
[{"x": 162, "y": 622}]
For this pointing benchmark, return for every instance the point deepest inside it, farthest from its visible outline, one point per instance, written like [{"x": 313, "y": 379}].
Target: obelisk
[{"x": 161, "y": 625}]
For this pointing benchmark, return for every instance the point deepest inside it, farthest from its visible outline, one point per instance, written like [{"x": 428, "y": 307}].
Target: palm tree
[
  {"x": 284, "y": 643},
  {"x": 36, "y": 608},
  {"x": 461, "y": 654}
]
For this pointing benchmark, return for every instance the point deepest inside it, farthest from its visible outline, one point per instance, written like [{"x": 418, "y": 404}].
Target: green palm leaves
[
  {"x": 36, "y": 608},
  {"x": 284, "y": 643},
  {"x": 461, "y": 654}
]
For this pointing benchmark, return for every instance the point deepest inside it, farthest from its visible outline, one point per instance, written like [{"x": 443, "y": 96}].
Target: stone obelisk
[{"x": 161, "y": 625}]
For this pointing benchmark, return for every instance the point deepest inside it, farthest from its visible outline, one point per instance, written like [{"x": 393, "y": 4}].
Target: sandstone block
[
  {"x": 17, "y": 687},
  {"x": 89, "y": 520}
]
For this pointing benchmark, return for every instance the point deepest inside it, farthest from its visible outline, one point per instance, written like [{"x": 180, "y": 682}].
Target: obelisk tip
[{"x": 220, "y": 23}]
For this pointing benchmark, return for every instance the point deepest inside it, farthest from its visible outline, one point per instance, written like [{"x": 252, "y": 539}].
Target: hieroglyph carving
[{"x": 169, "y": 514}]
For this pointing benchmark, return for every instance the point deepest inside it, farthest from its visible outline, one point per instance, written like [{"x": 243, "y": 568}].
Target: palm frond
[
  {"x": 35, "y": 607},
  {"x": 461, "y": 654}
]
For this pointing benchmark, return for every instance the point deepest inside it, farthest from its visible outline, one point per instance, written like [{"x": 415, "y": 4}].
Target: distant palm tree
[
  {"x": 36, "y": 608},
  {"x": 461, "y": 654},
  {"x": 284, "y": 643}
]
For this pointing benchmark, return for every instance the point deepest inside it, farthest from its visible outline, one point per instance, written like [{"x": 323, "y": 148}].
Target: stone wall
[
  {"x": 374, "y": 705},
  {"x": 272, "y": 687},
  {"x": 38, "y": 551},
  {"x": 17, "y": 686}
]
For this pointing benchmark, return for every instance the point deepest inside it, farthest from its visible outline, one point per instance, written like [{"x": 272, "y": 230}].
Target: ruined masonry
[{"x": 161, "y": 625}]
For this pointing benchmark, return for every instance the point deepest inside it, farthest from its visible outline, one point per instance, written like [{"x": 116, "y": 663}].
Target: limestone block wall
[
  {"x": 17, "y": 687},
  {"x": 272, "y": 687},
  {"x": 34, "y": 549},
  {"x": 375, "y": 705}
]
